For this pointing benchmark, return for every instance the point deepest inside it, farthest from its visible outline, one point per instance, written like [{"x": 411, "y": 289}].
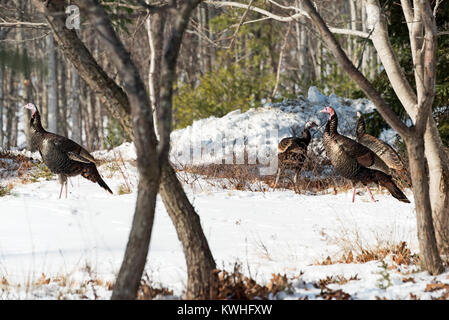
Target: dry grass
[
  {"x": 316, "y": 177},
  {"x": 119, "y": 165},
  {"x": 148, "y": 290},
  {"x": 399, "y": 253},
  {"x": 236, "y": 286}
]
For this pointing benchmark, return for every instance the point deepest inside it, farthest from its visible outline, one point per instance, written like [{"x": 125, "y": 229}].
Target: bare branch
[
  {"x": 242, "y": 19},
  {"x": 281, "y": 56},
  {"x": 24, "y": 24},
  {"x": 349, "y": 67},
  {"x": 294, "y": 17},
  {"x": 435, "y": 9},
  {"x": 388, "y": 57}
]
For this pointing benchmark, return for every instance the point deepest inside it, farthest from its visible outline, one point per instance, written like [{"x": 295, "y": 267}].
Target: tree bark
[
  {"x": 52, "y": 86},
  {"x": 75, "y": 107},
  {"x": 431, "y": 260},
  {"x": 155, "y": 29},
  {"x": 438, "y": 161},
  {"x": 2, "y": 106},
  {"x": 199, "y": 259}
]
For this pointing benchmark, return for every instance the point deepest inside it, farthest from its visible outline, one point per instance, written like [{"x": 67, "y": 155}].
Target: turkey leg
[
  {"x": 369, "y": 191},
  {"x": 63, "y": 181},
  {"x": 295, "y": 181},
  {"x": 277, "y": 178}
]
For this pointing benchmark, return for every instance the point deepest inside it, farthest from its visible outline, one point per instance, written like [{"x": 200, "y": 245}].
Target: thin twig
[
  {"x": 240, "y": 24},
  {"x": 281, "y": 56}
]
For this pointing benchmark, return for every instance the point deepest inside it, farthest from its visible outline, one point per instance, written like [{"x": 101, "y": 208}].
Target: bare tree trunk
[
  {"x": 90, "y": 117},
  {"x": 303, "y": 50},
  {"x": 99, "y": 121},
  {"x": 426, "y": 234},
  {"x": 52, "y": 86},
  {"x": 199, "y": 259},
  {"x": 155, "y": 29},
  {"x": 2, "y": 106},
  {"x": 10, "y": 111},
  {"x": 75, "y": 106},
  {"x": 438, "y": 160},
  {"x": 62, "y": 97}
]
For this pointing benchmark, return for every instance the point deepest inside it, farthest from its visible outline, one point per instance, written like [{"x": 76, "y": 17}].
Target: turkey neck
[
  {"x": 37, "y": 131},
  {"x": 35, "y": 124},
  {"x": 360, "y": 127},
  {"x": 332, "y": 125},
  {"x": 306, "y": 136}
]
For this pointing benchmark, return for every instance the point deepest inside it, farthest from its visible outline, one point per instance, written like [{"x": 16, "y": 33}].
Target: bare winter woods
[{"x": 288, "y": 57}]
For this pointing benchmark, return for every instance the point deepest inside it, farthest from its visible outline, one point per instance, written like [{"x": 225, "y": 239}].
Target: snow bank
[{"x": 261, "y": 128}]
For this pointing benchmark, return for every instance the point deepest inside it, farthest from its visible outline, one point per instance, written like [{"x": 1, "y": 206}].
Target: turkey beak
[
  {"x": 31, "y": 108},
  {"x": 323, "y": 111}
]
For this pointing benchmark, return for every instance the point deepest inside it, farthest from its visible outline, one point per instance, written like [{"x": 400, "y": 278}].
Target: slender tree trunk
[
  {"x": 199, "y": 260},
  {"x": 62, "y": 97},
  {"x": 91, "y": 125},
  {"x": 52, "y": 86},
  {"x": 99, "y": 121},
  {"x": 426, "y": 233},
  {"x": 155, "y": 29},
  {"x": 2, "y": 106},
  {"x": 10, "y": 111},
  {"x": 75, "y": 106}
]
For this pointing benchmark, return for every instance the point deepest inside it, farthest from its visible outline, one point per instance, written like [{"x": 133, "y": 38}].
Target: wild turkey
[
  {"x": 381, "y": 149},
  {"x": 353, "y": 161},
  {"x": 292, "y": 152},
  {"x": 62, "y": 156}
]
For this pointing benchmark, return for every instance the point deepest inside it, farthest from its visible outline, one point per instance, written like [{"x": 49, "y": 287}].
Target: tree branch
[
  {"x": 347, "y": 65},
  {"x": 294, "y": 17},
  {"x": 381, "y": 41}
]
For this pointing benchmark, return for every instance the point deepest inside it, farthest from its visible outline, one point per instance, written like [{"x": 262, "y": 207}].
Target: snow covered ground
[
  {"x": 273, "y": 232},
  {"x": 52, "y": 248}
]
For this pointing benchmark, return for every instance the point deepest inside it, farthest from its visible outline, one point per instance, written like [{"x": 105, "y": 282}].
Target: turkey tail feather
[
  {"x": 91, "y": 173},
  {"x": 393, "y": 188}
]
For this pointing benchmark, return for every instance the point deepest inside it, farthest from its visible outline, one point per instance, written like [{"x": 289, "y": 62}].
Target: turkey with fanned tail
[{"x": 61, "y": 155}]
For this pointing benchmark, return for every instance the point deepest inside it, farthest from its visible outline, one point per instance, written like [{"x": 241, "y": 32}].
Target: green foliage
[
  {"x": 444, "y": 132},
  {"x": 116, "y": 135},
  {"x": 119, "y": 15},
  {"x": 384, "y": 281},
  {"x": 220, "y": 92},
  {"x": 243, "y": 75},
  {"x": 339, "y": 83}
]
